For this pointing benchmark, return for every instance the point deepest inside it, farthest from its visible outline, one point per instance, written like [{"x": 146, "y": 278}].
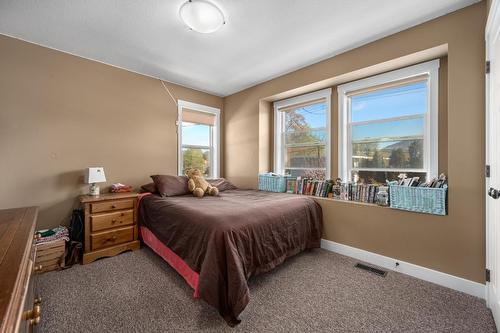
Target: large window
[
  {"x": 388, "y": 125},
  {"x": 198, "y": 131},
  {"x": 302, "y": 135}
]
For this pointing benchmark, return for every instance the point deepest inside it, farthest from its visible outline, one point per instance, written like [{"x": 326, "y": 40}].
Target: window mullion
[{"x": 388, "y": 120}]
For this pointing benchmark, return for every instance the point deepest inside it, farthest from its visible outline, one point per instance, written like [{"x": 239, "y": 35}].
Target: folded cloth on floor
[
  {"x": 46, "y": 233},
  {"x": 50, "y": 235}
]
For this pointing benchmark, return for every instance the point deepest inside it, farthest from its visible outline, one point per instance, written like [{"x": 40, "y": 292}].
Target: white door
[{"x": 493, "y": 160}]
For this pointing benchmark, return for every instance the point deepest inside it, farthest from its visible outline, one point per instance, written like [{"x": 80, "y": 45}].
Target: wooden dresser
[
  {"x": 19, "y": 309},
  {"x": 110, "y": 225}
]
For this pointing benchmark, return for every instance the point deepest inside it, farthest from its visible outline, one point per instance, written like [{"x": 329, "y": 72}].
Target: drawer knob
[
  {"x": 111, "y": 239},
  {"x": 35, "y": 321},
  {"x": 33, "y": 316},
  {"x": 37, "y": 311},
  {"x": 113, "y": 206},
  {"x": 113, "y": 221}
]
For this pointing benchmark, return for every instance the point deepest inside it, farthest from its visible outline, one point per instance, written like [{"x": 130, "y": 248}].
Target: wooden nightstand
[{"x": 110, "y": 225}]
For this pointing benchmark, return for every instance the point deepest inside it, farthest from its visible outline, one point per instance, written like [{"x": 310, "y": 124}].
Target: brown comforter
[{"x": 228, "y": 239}]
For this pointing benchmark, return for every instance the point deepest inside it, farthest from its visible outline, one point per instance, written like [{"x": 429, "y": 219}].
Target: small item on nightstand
[
  {"x": 120, "y": 188},
  {"x": 93, "y": 176}
]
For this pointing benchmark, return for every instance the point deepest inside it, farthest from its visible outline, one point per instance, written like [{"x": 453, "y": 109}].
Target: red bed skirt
[{"x": 171, "y": 258}]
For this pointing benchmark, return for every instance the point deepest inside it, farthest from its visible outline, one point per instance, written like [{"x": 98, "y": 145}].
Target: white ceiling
[{"x": 262, "y": 39}]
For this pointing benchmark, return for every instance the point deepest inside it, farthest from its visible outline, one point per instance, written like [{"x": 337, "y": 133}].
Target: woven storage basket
[
  {"x": 272, "y": 183},
  {"x": 419, "y": 199}
]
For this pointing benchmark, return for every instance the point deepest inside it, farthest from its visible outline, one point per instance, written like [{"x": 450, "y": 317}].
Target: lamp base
[{"x": 94, "y": 189}]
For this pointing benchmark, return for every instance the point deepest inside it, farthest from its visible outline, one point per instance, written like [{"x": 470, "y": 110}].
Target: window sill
[
  {"x": 348, "y": 202},
  {"x": 342, "y": 201}
]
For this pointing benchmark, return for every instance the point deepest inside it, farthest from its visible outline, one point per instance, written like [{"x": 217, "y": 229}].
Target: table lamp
[{"x": 94, "y": 175}]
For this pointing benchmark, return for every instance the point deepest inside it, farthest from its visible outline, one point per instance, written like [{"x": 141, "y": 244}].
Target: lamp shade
[{"x": 95, "y": 175}]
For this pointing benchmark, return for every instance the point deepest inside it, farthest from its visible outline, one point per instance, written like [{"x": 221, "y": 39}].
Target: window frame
[
  {"x": 214, "y": 137},
  {"x": 431, "y": 69},
  {"x": 278, "y": 161}
]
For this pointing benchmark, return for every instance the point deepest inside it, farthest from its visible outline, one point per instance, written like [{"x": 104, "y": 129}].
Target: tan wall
[
  {"x": 60, "y": 114},
  {"x": 454, "y": 244}
]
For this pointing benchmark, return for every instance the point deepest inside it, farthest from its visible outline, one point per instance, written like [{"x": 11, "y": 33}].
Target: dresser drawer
[
  {"x": 113, "y": 237},
  {"x": 110, "y": 220},
  {"x": 111, "y": 205}
]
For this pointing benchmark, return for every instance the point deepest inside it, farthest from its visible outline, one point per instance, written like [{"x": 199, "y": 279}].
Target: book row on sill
[{"x": 360, "y": 192}]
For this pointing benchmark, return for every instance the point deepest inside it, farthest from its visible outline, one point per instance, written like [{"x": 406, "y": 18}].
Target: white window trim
[
  {"x": 431, "y": 118},
  {"x": 279, "y": 122},
  {"x": 215, "y": 137}
]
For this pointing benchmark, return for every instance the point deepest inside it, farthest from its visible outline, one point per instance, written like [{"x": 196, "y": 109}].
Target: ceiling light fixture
[{"x": 202, "y": 16}]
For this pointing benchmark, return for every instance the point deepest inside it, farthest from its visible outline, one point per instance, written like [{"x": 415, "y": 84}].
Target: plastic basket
[
  {"x": 272, "y": 183},
  {"x": 419, "y": 199}
]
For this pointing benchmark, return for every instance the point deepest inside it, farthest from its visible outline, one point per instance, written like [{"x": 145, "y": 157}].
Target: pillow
[
  {"x": 151, "y": 187},
  {"x": 169, "y": 186},
  {"x": 222, "y": 184}
]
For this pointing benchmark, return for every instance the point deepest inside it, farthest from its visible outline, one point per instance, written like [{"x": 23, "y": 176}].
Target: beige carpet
[{"x": 317, "y": 291}]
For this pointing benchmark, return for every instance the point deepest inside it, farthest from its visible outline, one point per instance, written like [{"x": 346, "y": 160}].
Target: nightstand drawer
[
  {"x": 110, "y": 220},
  {"x": 110, "y": 205},
  {"x": 113, "y": 237}
]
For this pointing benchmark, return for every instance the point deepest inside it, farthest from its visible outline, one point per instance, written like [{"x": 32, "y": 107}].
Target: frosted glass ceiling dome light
[{"x": 202, "y": 16}]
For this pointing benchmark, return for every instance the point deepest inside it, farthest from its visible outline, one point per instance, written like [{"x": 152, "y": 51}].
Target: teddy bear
[{"x": 198, "y": 185}]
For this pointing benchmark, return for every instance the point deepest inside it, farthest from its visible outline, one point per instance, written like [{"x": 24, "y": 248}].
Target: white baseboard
[{"x": 443, "y": 279}]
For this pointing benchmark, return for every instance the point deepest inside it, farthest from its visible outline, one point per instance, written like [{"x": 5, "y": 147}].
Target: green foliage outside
[
  {"x": 415, "y": 151},
  {"x": 298, "y": 131},
  {"x": 196, "y": 158},
  {"x": 397, "y": 158},
  {"x": 398, "y": 155}
]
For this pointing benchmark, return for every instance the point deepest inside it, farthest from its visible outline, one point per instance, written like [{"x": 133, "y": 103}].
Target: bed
[{"x": 218, "y": 243}]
